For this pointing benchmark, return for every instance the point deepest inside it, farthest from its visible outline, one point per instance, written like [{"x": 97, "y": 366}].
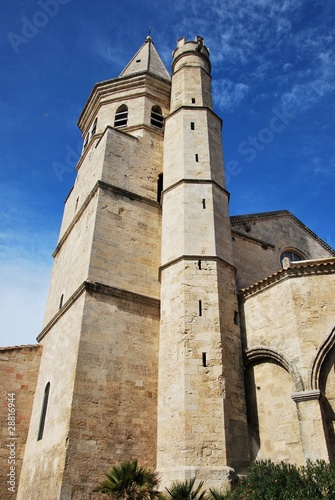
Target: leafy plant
[
  {"x": 265, "y": 480},
  {"x": 128, "y": 481},
  {"x": 216, "y": 495},
  {"x": 268, "y": 481},
  {"x": 185, "y": 490}
]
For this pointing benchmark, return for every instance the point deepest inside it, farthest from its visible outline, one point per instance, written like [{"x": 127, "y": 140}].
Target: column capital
[{"x": 309, "y": 395}]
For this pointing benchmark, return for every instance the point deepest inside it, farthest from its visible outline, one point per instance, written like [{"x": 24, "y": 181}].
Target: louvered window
[
  {"x": 121, "y": 116},
  {"x": 157, "y": 119}
]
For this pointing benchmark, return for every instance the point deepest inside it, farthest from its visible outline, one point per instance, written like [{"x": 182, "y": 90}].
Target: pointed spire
[{"x": 146, "y": 59}]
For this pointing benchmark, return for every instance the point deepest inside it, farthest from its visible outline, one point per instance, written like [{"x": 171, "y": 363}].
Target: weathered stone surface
[
  {"x": 145, "y": 343},
  {"x": 289, "y": 324},
  {"x": 18, "y": 375}
]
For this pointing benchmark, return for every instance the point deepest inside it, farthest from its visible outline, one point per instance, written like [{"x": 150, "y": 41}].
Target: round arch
[
  {"x": 261, "y": 354},
  {"x": 324, "y": 349}
]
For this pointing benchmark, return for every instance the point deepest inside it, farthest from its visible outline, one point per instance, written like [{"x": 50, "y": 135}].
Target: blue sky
[{"x": 273, "y": 69}]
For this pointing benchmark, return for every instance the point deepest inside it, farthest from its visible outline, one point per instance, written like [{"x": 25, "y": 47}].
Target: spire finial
[{"x": 149, "y": 35}]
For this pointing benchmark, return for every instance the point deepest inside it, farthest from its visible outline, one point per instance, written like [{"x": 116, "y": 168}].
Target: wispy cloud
[
  {"x": 302, "y": 96},
  {"x": 268, "y": 43},
  {"x": 318, "y": 167},
  {"x": 25, "y": 267},
  {"x": 228, "y": 95},
  {"x": 23, "y": 292},
  {"x": 106, "y": 50}
]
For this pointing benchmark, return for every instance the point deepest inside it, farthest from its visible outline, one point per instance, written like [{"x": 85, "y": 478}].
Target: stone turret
[{"x": 201, "y": 409}]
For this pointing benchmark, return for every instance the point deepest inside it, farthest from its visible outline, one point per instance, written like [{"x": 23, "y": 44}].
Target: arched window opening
[
  {"x": 289, "y": 256},
  {"x": 44, "y": 411},
  {"x": 94, "y": 128},
  {"x": 86, "y": 140},
  {"x": 157, "y": 119},
  {"x": 121, "y": 116}
]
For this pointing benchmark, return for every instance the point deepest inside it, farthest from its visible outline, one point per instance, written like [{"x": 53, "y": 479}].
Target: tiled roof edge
[{"x": 319, "y": 266}]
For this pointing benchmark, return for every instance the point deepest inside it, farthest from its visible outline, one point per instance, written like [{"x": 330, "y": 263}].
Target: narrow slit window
[
  {"x": 200, "y": 308},
  {"x": 121, "y": 116},
  {"x": 159, "y": 187},
  {"x": 86, "y": 141},
  {"x": 94, "y": 128},
  {"x": 196, "y": 157},
  {"x": 204, "y": 359},
  {"x": 193, "y": 100},
  {"x": 199, "y": 265},
  {"x": 192, "y": 126},
  {"x": 236, "y": 318},
  {"x": 44, "y": 411},
  {"x": 61, "y": 301},
  {"x": 157, "y": 119},
  {"x": 203, "y": 203}
]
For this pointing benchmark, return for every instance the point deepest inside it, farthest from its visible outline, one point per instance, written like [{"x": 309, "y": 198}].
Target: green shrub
[
  {"x": 264, "y": 481},
  {"x": 268, "y": 481}
]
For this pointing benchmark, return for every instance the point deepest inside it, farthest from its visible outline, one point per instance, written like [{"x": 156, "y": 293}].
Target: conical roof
[{"x": 146, "y": 59}]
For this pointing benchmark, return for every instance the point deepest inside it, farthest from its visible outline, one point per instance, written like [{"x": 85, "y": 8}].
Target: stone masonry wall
[
  {"x": 126, "y": 248},
  {"x": 18, "y": 375},
  {"x": 115, "y": 393},
  {"x": 272, "y": 415},
  {"x": 44, "y": 459},
  {"x": 255, "y": 260},
  {"x": 71, "y": 263},
  {"x": 290, "y": 321}
]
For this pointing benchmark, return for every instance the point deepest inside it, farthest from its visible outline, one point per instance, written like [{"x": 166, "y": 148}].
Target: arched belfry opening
[
  {"x": 121, "y": 116},
  {"x": 157, "y": 119}
]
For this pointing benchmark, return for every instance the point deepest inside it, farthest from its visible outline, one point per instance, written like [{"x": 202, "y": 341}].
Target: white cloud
[
  {"x": 23, "y": 293},
  {"x": 227, "y": 95},
  {"x": 318, "y": 167},
  {"x": 302, "y": 97},
  {"x": 267, "y": 42},
  {"x": 103, "y": 47},
  {"x": 26, "y": 244}
]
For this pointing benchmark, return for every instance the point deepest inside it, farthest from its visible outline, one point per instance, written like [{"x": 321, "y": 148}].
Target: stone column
[{"x": 313, "y": 438}]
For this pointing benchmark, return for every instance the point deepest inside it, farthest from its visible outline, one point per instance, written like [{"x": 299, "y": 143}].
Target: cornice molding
[
  {"x": 122, "y": 84},
  {"x": 195, "y": 108},
  {"x": 262, "y": 243},
  {"x": 108, "y": 187},
  {"x": 99, "y": 288},
  {"x": 193, "y": 258},
  {"x": 196, "y": 181}
]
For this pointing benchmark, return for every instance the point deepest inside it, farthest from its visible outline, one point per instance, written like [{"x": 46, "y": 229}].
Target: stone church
[{"x": 192, "y": 341}]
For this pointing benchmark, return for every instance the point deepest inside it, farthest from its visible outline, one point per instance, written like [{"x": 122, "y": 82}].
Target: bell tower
[
  {"x": 96, "y": 394},
  {"x": 201, "y": 414}
]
